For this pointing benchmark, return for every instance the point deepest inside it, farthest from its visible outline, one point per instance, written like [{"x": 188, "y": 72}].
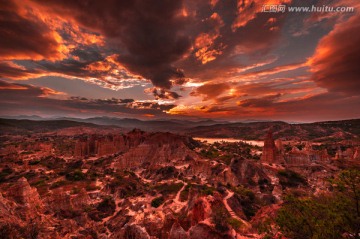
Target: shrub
[
  {"x": 76, "y": 175},
  {"x": 91, "y": 187},
  {"x": 34, "y": 162},
  {"x": 184, "y": 195},
  {"x": 58, "y": 184},
  {"x": 166, "y": 189},
  {"x": 207, "y": 191},
  {"x": 75, "y": 190},
  {"x": 234, "y": 223},
  {"x": 247, "y": 199},
  {"x": 39, "y": 183},
  {"x": 325, "y": 216},
  {"x": 107, "y": 206},
  {"x": 220, "y": 218},
  {"x": 290, "y": 178},
  {"x": 156, "y": 202}
]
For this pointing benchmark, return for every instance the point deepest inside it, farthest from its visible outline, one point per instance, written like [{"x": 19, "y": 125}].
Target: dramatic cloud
[
  {"x": 323, "y": 106},
  {"x": 94, "y": 68},
  {"x": 11, "y": 93},
  {"x": 25, "y": 36},
  {"x": 159, "y": 93},
  {"x": 7, "y": 86},
  {"x": 203, "y": 58},
  {"x": 249, "y": 10},
  {"x": 20, "y": 98},
  {"x": 220, "y": 48},
  {"x": 147, "y": 34},
  {"x": 272, "y": 71},
  {"x": 262, "y": 102},
  {"x": 119, "y": 44},
  {"x": 335, "y": 65},
  {"x": 206, "y": 50},
  {"x": 210, "y": 91},
  {"x": 9, "y": 69}
]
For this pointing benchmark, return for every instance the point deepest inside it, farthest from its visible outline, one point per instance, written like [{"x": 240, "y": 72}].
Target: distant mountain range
[
  {"x": 172, "y": 125},
  {"x": 318, "y": 131}
]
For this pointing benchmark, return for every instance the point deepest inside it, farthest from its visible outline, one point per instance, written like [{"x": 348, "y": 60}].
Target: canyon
[{"x": 97, "y": 182}]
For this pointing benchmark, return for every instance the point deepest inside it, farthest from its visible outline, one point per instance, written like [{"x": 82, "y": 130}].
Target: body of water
[{"x": 231, "y": 140}]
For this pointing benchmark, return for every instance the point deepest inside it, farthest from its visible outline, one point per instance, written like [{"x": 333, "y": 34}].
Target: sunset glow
[{"x": 210, "y": 59}]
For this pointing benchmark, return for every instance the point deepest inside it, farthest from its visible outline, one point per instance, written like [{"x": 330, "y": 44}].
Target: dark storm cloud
[
  {"x": 162, "y": 93},
  {"x": 20, "y": 93},
  {"x": 21, "y": 98},
  {"x": 113, "y": 101},
  {"x": 24, "y": 36},
  {"x": 149, "y": 38},
  {"x": 148, "y": 34},
  {"x": 335, "y": 64},
  {"x": 86, "y": 56},
  {"x": 11, "y": 70},
  {"x": 230, "y": 48}
]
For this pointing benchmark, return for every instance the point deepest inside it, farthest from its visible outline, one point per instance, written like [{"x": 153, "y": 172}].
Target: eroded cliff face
[
  {"x": 8, "y": 214},
  {"x": 156, "y": 149},
  {"x": 271, "y": 153},
  {"x": 29, "y": 204}
]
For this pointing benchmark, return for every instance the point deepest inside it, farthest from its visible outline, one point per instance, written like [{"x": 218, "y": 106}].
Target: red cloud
[
  {"x": 248, "y": 10},
  {"x": 25, "y": 36},
  {"x": 210, "y": 91},
  {"x": 9, "y": 69},
  {"x": 335, "y": 64},
  {"x": 26, "y": 99},
  {"x": 147, "y": 35}
]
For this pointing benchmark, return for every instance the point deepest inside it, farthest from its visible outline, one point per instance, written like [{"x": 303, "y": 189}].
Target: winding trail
[
  {"x": 231, "y": 212},
  {"x": 177, "y": 202},
  {"x": 138, "y": 172}
]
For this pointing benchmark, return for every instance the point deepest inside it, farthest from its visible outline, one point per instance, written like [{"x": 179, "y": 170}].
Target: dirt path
[{"x": 232, "y": 213}]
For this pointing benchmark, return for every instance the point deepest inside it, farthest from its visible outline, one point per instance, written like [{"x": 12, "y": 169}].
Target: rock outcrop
[
  {"x": 24, "y": 194},
  {"x": 270, "y": 153},
  {"x": 155, "y": 149},
  {"x": 248, "y": 172},
  {"x": 306, "y": 156},
  {"x": 135, "y": 232},
  {"x": 80, "y": 200},
  {"x": 205, "y": 231},
  {"x": 200, "y": 211},
  {"x": 27, "y": 199},
  {"x": 177, "y": 232}
]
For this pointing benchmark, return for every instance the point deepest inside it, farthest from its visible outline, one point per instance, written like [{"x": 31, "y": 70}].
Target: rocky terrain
[{"x": 70, "y": 182}]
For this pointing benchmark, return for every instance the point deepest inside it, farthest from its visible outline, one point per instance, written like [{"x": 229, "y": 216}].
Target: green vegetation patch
[
  {"x": 167, "y": 189},
  {"x": 76, "y": 175},
  {"x": 201, "y": 189},
  {"x": 334, "y": 215},
  {"x": 288, "y": 178},
  {"x": 58, "y": 184}
]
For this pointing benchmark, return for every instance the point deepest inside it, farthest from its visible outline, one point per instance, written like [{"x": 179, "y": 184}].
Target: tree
[
  {"x": 334, "y": 215},
  {"x": 220, "y": 218}
]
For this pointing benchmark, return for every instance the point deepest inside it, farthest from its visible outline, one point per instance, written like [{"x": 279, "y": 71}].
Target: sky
[{"x": 183, "y": 59}]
